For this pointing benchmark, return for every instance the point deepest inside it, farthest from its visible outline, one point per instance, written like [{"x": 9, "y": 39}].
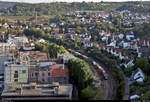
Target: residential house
[
  {"x": 6, "y": 25},
  {"x": 134, "y": 97},
  {"x": 48, "y": 72},
  {"x": 18, "y": 41},
  {"x": 129, "y": 63},
  {"x": 138, "y": 75},
  {"x": 130, "y": 36},
  {"x": 60, "y": 74},
  {"x": 40, "y": 40},
  {"x": 144, "y": 52},
  {"x": 64, "y": 58}
]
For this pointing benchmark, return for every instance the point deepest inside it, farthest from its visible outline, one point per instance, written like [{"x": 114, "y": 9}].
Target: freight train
[
  {"x": 77, "y": 54},
  {"x": 100, "y": 70}
]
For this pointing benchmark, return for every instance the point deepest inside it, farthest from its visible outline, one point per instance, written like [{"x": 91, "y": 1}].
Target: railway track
[{"x": 109, "y": 84}]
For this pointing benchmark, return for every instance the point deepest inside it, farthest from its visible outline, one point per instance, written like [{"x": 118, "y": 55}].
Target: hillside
[
  {"x": 141, "y": 7},
  {"x": 23, "y": 9},
  {"x": 6, "y": 4},
  {"x": 26, "y": 9}
]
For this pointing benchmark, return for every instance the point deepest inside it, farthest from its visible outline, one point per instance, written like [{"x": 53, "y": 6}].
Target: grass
[{"x": 13, "y": 19}]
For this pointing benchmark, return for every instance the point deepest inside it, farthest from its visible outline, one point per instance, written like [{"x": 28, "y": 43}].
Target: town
[{"x": 87, "y": 55}]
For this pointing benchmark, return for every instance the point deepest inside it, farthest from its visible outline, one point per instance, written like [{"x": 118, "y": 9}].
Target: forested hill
[
  {"x": 55, "y": 8},
  {"x": 6, "y": 4},
  {"x": 25, "y": 9},
  {"x": 141, "y": 7}
]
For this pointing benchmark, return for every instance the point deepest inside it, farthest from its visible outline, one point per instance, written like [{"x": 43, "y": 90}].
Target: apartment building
[
  {"x": 16, "y": 73},
  {"x": 48, "y": 73},
  {"x": 33, "y": 91}
]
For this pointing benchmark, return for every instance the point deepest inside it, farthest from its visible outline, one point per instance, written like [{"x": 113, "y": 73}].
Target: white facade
[
  {"x": 41, "y": 40},
  {"x": 18, "y": 41},
  {"x": 126, "y": 44},
  {"x": 129, "y": 64},
  {"x": 121, "y": 36},
  {"x": 129, "y": 37},
  {"x": 134, "y": 97},
  {"x": 16, "y": 73},
  {"x": 139, "y": 75}
]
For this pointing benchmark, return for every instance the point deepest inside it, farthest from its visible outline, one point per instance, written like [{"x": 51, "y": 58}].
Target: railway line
[
  {"x": 109, "y": 85},
  {"x": 109, "y": 82}
]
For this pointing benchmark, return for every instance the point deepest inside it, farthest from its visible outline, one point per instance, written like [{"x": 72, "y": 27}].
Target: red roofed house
[
  {"x": 60, "y": 74},
  {"x": 49, "y": 72}
]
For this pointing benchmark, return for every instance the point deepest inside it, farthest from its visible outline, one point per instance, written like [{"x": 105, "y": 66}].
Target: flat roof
[{"x": 41, "y": 90}]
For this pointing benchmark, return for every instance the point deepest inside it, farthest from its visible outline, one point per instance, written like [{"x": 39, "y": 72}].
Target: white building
[
  {"x": 18, "y": 41},
  {"x": 16, "y": 73},
  {"x": 138, "y": 75},
  {"x": 121, "y": 36},
  {"x": 129, "y": 64},
  {"x": 134, "y": 97},
  {"x": 129, "y": 36},
  {"x": 126, "y": 45}
]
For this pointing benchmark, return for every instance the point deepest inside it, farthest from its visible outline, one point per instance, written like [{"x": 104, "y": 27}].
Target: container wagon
[{"x": 105, "y": 75}]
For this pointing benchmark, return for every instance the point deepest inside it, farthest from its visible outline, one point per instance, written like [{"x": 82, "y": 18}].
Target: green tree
[
  {"x": 78, "y": 29},
  {"x": 87, "y": 94},
  {"x": 143, "y": 64},
  {"x": 146, "y": 96},
  {"x": 80, "y": 73}
]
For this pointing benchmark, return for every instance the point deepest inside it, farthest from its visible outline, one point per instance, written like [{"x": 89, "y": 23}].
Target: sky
[{"x": 39, "y": 1}]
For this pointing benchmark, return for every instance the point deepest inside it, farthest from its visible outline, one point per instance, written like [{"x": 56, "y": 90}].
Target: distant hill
[
  {"x": 6, "y": 4},
  {"x": 141, "y": 7},
  {"x": 26, "y": 9}
]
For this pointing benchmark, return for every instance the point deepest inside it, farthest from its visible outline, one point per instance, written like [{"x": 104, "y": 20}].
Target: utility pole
[{"x": 36, "y": 17}]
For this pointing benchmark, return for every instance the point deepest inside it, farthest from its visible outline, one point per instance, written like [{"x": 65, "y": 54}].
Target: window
[
  {"x": 16, "y": 74},
  {"x": 16, "y": 80},
  {"x": 32, "y": 75},
  {"x": 36, "y": 74},
  {"x": 49, "y": 74},
  {"x": 43, "y": 74},
  {"x": 23, "y": 71}
]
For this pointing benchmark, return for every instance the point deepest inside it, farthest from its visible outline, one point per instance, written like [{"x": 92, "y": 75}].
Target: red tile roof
[{"x": 59, "y": 72}]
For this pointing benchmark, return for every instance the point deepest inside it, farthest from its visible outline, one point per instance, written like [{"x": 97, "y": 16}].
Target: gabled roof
[{"x": 136, "y": 71}]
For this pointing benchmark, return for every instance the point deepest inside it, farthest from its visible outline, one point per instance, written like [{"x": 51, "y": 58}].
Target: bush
[
  {"x": 133, "y": 88},
  {"x": 87, "y": 93}
]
